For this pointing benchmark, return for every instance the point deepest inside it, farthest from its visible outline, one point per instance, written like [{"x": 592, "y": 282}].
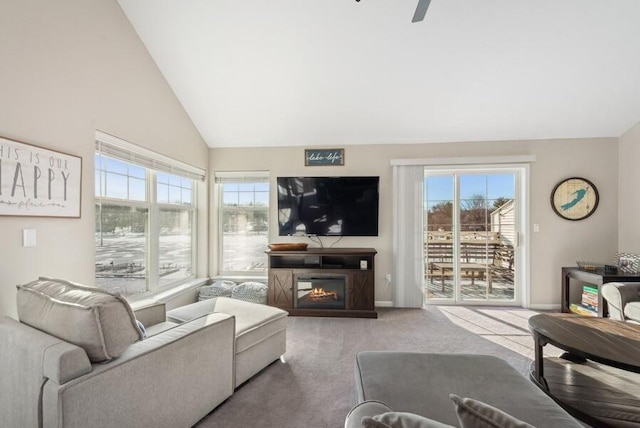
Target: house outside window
[
  {"x": 145, "y": 220},
  {"x": 243, "y": 210}
]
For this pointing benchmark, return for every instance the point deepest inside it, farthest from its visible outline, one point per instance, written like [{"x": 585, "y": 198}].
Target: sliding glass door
[{"x": 471, "y": 232}]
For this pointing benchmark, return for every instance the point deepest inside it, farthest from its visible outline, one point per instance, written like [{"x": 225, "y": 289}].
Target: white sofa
[
  {"x": 173, "y": 377},
  {"x": 78, "y": 357},
  {"x": 623, "y": 299}
]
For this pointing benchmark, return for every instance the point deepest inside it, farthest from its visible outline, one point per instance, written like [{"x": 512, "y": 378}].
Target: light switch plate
[{"x": 28, "y": 237}]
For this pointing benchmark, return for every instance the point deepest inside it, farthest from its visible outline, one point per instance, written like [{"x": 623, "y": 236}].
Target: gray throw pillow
[
  {"x": 476, "y": 414},
  {"x": 401, "y": 420}
]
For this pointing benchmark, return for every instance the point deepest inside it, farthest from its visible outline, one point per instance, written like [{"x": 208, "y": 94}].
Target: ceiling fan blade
[{"x": 421, "y": 10}]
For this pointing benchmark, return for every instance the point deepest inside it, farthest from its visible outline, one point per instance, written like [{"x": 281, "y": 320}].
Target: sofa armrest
[
  {"x": 64, "y": 361},
  {"x": 152, "y": 314},
  {"x": 171, "y": 379},
  {"x": 618, "y": 294},
  {"x": 28, "y": 358}
]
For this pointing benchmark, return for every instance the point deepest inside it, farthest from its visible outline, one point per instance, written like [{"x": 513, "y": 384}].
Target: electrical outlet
[{"x": 387, "y": 279}]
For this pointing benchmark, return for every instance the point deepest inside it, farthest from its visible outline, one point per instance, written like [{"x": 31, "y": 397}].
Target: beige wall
[
  {"x": 629, "y": 202},
  {"x": 70, "y": 70},
  {"x": 67, "y": 70},
  {"x": 559, "y": 242}
]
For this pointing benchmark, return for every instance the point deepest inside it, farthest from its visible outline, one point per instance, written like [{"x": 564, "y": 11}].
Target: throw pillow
[
  {"x": 401, "y": 420},
  {"x": 143, "y": 330},
  {"x": 255, "y": 292},
  {"x": 100, "y": 322},
  {"x": 221, "y": 288},
  {"x": 476, "y": 414}
]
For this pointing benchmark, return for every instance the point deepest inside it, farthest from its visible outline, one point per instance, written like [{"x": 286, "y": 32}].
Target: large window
[
  {"x": 243, "y": 201},
  {"x": 145, "y": 221}
]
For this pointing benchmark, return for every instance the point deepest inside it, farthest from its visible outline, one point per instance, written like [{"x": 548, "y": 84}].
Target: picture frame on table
[{"x": 628, "y": 263}]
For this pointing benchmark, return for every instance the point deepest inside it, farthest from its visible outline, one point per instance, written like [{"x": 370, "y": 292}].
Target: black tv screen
[{"x": 328, "y": 206}]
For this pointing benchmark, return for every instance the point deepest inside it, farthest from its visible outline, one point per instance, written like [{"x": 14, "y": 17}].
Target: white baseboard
[
  {"x": 538, "y": 307},
  {"x": 384, "y": 304}
]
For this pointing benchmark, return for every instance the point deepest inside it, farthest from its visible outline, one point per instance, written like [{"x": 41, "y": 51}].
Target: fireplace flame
[{"x": 321, "y": 293}]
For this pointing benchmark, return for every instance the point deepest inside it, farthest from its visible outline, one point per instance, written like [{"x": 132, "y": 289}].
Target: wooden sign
[
  {"x": 313, "y": 157},
  {"x": 38, "y": 182}
]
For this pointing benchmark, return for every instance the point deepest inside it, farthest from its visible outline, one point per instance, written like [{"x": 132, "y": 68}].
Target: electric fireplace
[{"x": 320, "y": 292}]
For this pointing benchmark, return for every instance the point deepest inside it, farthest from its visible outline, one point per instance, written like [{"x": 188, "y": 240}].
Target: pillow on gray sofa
[
  {"x": 221, "y": 288},
  {"x": 401, "y": 420},
  {"x": 476, "y": 414},
  {"x": 100, "y": 322},
  {"x": 384, "y": 417}
]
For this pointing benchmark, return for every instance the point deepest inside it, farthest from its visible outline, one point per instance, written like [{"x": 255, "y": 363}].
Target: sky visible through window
[
  {"x": 492, "y": 186},
  {"x": 119, "y": 180}
]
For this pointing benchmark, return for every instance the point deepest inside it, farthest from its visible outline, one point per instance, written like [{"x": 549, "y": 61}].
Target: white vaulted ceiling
[{"x": 324, "y": 72}]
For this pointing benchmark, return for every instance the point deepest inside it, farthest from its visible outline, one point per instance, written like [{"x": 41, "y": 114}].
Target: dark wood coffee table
[{"x": 597, "y": 394}]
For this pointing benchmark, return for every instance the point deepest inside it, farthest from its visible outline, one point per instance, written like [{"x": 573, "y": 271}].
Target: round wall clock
[{"x": 574, "y": 198}]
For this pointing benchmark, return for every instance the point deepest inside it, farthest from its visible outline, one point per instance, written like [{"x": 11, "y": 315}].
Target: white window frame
[
  {"x": 220, "y": 177},
  {"x": 125, "y": 151}
]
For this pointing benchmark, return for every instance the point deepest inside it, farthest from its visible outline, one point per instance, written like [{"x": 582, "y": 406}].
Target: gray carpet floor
[{"x": 315, "y": 387}]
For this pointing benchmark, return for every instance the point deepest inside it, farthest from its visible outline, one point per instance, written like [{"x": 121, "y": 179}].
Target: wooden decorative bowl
[{"x": 288, "y": 247}]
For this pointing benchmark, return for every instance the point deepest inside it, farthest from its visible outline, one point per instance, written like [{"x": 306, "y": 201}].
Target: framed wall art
[
  {"x": 575, "y": 198},
  {"x": 318, "y": 157},
  {"x": 38, "y": 182}
]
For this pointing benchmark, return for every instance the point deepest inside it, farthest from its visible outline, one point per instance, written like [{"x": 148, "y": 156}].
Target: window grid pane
[
  {"x": 119, "y": 180},
  {"x": 245, "y": 220},
  {"x": 172, "y": 189},
  {"x": 121, "y": 243},
  {"x": 122, "y": 230},
  {"x": 175, "y": 258}
]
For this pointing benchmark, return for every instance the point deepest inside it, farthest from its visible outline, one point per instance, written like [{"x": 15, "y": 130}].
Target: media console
[{"x": 328, "y": 282}]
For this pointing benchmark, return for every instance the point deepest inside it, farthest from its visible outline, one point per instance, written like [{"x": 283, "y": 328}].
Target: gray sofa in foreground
[
  {"x": 80, "y": 357},
  {"x": 420, "y": 384},
  {"x": 170, "y": 379}
]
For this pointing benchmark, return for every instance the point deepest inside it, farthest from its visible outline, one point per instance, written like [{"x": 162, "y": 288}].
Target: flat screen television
[{"x": 328, "y": 206}]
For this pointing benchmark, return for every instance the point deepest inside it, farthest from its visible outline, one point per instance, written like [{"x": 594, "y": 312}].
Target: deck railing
[{"x": 482, "y": 248}]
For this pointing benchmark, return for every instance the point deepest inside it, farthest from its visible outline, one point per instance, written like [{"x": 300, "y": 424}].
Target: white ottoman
[{"x": 261, "y": 331}]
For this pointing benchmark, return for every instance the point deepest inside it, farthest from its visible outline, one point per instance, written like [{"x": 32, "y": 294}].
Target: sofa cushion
[
  {"x": 632, "y": 311},
  {"x": 476, "y": 414},
  {"x": 217, "y": 289},
  {"x": 254, "y": 322},
  {"x": 160, "y": 328},
  {"x": 100, "y": 322}
]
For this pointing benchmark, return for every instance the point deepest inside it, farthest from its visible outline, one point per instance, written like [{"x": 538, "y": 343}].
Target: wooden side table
[{"x": 596, "y": 279}]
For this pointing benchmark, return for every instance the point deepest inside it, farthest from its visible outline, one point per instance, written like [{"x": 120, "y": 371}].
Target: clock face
[{"x": 575, "y": 198}]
